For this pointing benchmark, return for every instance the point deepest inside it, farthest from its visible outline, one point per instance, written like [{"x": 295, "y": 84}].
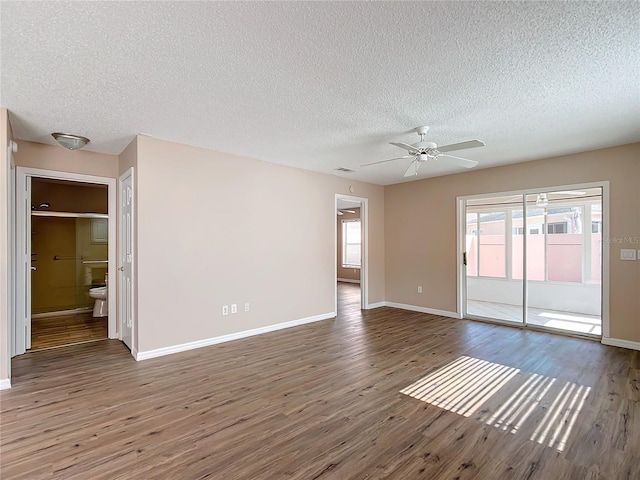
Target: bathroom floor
[{"x": 67, "y": 329}]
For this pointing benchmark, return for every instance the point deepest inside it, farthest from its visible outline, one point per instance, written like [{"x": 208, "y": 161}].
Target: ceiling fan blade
[
  {"x": 406, "y": 146},
  {"x": 413, "y": 169},
  {"x": 461, "y": 146},
  {"x": 461, "y": 162},
  {"x": 384, "y": 161}
]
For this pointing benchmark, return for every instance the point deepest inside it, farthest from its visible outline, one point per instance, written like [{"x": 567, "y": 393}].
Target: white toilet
[{"x": 100, "y": 308}]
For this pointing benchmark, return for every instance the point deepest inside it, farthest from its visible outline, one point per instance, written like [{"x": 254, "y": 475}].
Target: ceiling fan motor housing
[{"x": 424, "y": 146}]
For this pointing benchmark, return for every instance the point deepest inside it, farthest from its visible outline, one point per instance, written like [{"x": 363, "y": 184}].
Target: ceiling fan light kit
[{"x": 422, "y": 151}]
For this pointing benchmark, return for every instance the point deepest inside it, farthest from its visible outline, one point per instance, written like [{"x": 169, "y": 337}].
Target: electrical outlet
[
  {"x": 419, "y": 288},
  {"x": 225, "y": 309},
  {"x": 627, "y": 254},
  {"x": 246, "y": 307},
  {"x": 234, "y": 308}
]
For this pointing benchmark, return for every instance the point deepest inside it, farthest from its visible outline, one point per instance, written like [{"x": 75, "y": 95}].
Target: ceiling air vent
[{"x": 344, "y": 169}]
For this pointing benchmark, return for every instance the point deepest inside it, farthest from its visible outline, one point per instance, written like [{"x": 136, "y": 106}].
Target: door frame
[
  {"x": 23, "y": 260},
  {"x": 364, "y": 268},
  {"x": 461, "y": 246}
]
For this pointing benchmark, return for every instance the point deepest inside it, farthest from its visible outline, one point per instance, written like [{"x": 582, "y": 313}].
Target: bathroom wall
[
  {"x": 346, "y": 273},
  {"x": 69, "y": 196}
]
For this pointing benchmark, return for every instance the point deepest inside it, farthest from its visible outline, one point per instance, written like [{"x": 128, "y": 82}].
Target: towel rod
[{"x": 62, "y": 257}]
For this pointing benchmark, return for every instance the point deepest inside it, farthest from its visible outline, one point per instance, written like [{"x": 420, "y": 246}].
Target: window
[
  {"x": 351, "y": 243},
  {"x": 99, "y": 230},
  {"x": 557, "y": 227},
  {"x": 486, "y": 244}
]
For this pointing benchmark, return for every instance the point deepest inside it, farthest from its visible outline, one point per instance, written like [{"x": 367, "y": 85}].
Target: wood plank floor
[
  {"x": 322, "y": 401},
  {"x": 61, "y": 330}
]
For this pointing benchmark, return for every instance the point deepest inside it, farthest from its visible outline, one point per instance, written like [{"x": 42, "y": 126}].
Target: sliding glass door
[{"x": 536, "y": 259}]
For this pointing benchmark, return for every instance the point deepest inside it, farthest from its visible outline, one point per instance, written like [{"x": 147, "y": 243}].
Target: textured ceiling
[{"x": 321, "y": 85}]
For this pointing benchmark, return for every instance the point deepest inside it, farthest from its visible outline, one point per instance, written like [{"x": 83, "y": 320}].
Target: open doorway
[
  {"x": 65, "y": 251},
  {"x": 351, "y": 257},
  {"x": 69, "y": 260}
]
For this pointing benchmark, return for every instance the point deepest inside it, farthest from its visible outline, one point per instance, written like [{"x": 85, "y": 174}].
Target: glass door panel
[
  {"x": 491, "y": 290},
  {"x": 563, "y": 260}
]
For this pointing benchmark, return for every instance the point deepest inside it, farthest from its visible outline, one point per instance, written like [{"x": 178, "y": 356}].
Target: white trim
[
  {"x": 461, "y": 273},
  {"x": 23, "y": 215},
  {"x": 376, "y": 305},
  {"x": 606, "y": 260},
  {"x": 5, "y": 383},
  {"x": 432, "y": 311},
  {"x": 60, "y": 313},
  {"x": 348, "y": 280},
  {"x": 364, "y": 269},
  {"x": 616, "y": 342},
  {"x": 159, "y": 352}
]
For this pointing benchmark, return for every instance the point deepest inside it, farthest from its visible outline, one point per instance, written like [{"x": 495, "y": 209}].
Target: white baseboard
[
  {"x": 348, "y": 280},
  {"x": 432, "y": 311},
  {"x": 616, "y": 342},
  {"x": 376, "y": 305},
  {"x": 5, "y": 383},
  {"x": 60, "y": 313},
  {"x": 159, "y": 352}
]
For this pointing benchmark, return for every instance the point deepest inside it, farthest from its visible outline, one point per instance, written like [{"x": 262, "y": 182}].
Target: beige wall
[
  {"x": 50, "y": 157},
  {"x": 420, "y": 246},
  {"x": 211, "y": 232},
  {"x": 5, "y": 169},
  {"x": 346, "y": 273}
]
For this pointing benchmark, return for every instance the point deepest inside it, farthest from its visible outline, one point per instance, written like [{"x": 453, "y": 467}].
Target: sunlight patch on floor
[
  {"x": 462, "y": 386},
  {"x": 466, "y": 384}
]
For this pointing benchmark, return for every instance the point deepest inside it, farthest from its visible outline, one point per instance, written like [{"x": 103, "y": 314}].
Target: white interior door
[
  {"x": 27, "y": 266},
  {"x": 125, "y": 268}
]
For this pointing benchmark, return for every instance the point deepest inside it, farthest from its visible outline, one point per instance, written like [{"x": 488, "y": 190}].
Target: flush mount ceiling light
[
  {"x": 72, "y": 142},
  {"x": 542, "y": 200}
]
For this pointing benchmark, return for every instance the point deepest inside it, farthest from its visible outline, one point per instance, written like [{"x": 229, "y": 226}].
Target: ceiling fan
[
  {"x": 423, "y": 151},
  {"x": 342, "y": 211}
]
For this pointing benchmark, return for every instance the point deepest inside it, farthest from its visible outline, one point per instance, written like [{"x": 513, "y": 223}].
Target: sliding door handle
[{"x": 464, "y": 258}]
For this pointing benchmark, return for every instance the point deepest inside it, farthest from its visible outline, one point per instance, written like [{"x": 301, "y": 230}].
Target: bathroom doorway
[
  {"x": 69, "y": 257},
  {"x": 65, "y": 252}
]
